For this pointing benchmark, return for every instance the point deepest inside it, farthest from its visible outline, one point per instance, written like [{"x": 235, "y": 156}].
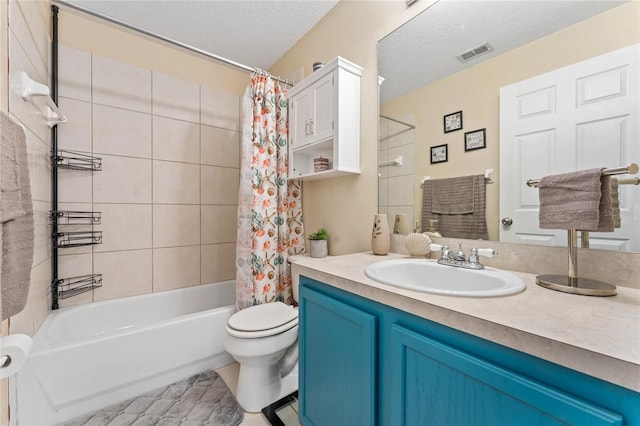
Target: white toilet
[{"x": 264, "y": 340}]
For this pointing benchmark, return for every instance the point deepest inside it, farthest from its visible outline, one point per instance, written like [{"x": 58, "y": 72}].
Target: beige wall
[
  {"x": 345, "y": 206},
  {"x": 24, "y": 45},
  {"x": 475, "y": 91},
  {"x": 4, "y": 60}
]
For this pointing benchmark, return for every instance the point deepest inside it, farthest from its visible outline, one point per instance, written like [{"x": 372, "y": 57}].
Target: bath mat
[{"x": 200, "y": 400}]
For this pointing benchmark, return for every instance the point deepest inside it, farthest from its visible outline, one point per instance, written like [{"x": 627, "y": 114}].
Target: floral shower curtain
[{"x": 269, "y": 207}]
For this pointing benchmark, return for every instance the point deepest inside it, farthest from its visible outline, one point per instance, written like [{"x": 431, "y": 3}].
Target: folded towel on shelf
[
  {"x": 453, "y": 195},
  {"x": 17, "y": 222},
  {"x": 615, "y": 201},
  {"x": 573, "y": 201},
  {"x": 471, "y": 225}
]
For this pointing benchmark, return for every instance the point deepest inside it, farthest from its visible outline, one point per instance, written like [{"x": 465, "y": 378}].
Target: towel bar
[
  {"x": 30, "y": 88},
  {"x": 631, "y": 169},
  {"x": 572, "y": 283}
]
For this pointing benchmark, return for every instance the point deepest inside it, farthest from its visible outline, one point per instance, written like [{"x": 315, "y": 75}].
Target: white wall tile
[
  {"x": 23, "y": 110},
  {"x": 220, "y": 109},
  {"x": 75, "y": 134},
  {"x": 218, "y": 262},
  {"x": 176, "y": 98},
  {"x": 220, "y": 147},
  {"x": 121, "y": 85},
  {"x": 400, "y": 190},
  {"x": 176, "y": 267},
  {"x": 122, "y": 180},
  {"x": 219, "y": 224},
  {"x": 75, "y": 186},
  {"x": 41, "y": 285},
  {"x": 42, "y": 231},
  {"x": 124, "y": 227},
  {"x": 220, "y": 185},
  {"x": 74, "y": 73},
  {"x": 124, "y": 273},
  {"x": 176, "y": 225},
  {"x": 176, "y": 183},
  {"x": 176, "y": 140},
  {"x": 118, "y": 131},
  {"x": 38, "y": 154}
]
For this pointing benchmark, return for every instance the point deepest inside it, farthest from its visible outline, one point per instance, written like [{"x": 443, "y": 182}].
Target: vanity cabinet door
[
  {"x": 337, "y": 362},
  {"x": 436, "y": 384}
]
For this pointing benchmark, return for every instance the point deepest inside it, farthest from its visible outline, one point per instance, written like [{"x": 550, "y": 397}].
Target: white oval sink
[{"x": 427, "y": 276}]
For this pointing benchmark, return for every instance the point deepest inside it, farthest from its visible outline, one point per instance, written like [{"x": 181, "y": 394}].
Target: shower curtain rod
[{"x": 68, "y": 5}]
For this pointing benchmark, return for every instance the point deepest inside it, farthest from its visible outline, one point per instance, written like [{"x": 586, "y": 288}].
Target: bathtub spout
[{"x": 289, "y": 360}]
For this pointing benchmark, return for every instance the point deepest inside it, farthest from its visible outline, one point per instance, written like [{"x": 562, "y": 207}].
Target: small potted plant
[{"x": 318, "y": 243}]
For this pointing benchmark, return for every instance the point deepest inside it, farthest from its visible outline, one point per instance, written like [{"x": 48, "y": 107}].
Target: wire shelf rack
[
  {"x": 77, "y": 238},
  {"x": 67, "y": 217},
  {"x": 69, "y": 287},
  {"x": 72, "y": 160}
]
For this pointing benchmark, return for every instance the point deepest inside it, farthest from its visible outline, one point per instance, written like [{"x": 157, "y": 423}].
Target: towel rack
[
  {"x": 572, "y": 283},
  {"x": 30, "y": 88},
  {"x": 395, "y": 162},
  {"x": 631, "y": 169},
  {"x": 489, "y": 176}
]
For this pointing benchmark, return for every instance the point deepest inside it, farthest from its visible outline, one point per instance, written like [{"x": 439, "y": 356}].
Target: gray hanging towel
[
  {"x": 576, "y": 200},
  {"x": 16, "y": 219},
  {"x": 453, "y": 195},
  {"x": 471, "y": 225}
]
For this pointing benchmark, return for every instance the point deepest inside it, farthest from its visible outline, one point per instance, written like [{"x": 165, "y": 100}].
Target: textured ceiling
[
  {"x": 251, "y": 32},
  {"x": 424, "y": 49}
]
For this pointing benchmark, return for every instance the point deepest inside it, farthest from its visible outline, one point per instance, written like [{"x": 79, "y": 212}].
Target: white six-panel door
[{"x": 579, "y": 117}]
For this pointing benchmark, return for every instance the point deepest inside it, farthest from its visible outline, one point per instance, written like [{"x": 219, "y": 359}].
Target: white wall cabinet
[{"x": 324, "y": 117}]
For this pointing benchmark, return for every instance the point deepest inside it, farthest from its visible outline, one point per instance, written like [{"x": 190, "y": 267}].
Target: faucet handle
[{"x": 487, "y": 252}]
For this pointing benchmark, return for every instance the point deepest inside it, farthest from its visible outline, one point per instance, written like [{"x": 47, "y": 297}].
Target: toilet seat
[{"x": 263, "y": 320}]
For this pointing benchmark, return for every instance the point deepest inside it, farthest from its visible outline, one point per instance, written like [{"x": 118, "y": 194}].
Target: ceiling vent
[{"x": 475, "y": 52}]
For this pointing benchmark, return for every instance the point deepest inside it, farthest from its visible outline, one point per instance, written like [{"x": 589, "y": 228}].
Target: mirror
[{"x": 424, "y": 84}]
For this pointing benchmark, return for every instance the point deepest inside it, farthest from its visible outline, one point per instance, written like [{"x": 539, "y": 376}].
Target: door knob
[{"x": 507, "y": 221}]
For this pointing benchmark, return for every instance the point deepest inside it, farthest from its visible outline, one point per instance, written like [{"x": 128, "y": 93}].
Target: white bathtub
[{"x": 90, "y": 356}]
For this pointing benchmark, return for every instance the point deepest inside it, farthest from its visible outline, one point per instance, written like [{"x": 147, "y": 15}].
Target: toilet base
[{"x": 260, "y": 387}]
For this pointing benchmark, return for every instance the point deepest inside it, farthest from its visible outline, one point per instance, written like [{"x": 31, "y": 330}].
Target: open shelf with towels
[
  {"x": 69, "y": 287},
  {"x": 30, "y": 89}
]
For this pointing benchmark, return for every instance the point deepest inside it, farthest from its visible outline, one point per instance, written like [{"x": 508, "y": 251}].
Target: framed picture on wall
[
  {"x": 439, "y": 154},
  {"x": 453, "y": 122},
  {"x": 475, "y": 140}
]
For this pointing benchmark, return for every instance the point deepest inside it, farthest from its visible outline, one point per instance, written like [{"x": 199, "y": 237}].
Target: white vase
[
  {"x": 401, "y": 224},
  {"x": 380, "y": 239},
  {"x": 319, "y": 248}
]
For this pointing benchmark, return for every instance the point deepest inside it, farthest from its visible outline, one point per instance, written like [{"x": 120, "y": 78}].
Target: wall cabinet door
[
  {"x": 437, "y": 384},
  {"x": 337, "y": 362},
  {"x": 312, "y": 113}
]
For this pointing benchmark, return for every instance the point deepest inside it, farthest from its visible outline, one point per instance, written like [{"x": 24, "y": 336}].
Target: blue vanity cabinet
[
  {"x": 438, "y": 384},
  {"x": 338, "y": 357},
  {"x": 362, "y": 362}
]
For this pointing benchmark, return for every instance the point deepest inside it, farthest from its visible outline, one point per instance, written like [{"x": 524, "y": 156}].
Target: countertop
[{"x": 598, "y": 336}]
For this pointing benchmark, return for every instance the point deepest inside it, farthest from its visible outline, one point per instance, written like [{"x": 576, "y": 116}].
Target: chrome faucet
[{"x": 458, "y": 258}]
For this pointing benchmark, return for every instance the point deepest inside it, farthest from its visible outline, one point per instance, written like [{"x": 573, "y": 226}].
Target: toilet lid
[{"x": 263, "y": 317}]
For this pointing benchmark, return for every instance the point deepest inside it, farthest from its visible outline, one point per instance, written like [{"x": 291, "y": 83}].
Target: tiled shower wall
[
  {"x": 395, "y": 183},
  {"x": 29, "y": 51},
  {"x": 168, "y": 188}
]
